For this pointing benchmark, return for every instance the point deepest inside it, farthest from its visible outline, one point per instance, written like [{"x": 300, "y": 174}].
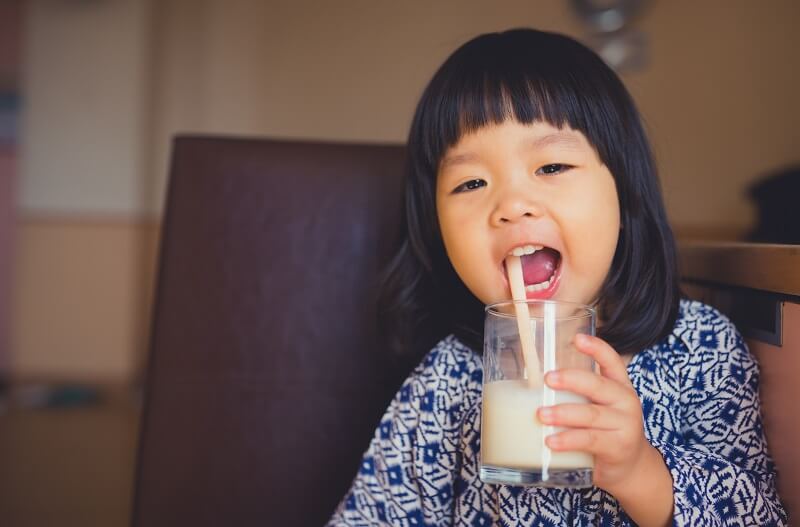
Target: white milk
[{"x": 512, "y": 435}]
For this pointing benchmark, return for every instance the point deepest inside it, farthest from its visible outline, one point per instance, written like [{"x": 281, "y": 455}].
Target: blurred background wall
[
  {"x": 107, "y": 83},
  {"x": 10, "y": 57}
]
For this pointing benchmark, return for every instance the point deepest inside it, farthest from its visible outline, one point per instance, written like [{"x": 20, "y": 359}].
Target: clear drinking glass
[{"x": 512, "y": 450}]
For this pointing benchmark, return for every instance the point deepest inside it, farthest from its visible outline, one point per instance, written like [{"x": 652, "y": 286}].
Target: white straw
[
  {"x": 517, "y": 283},
  {"x": 549, "y": 395}
]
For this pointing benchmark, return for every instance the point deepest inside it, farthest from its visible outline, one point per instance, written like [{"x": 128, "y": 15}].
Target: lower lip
[
  {"x": 544, "y": 294},
  {"x": 550, "y": 292}
]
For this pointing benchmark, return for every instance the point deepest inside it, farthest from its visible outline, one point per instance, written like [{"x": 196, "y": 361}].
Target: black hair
[{"x": 530, "y": 76}]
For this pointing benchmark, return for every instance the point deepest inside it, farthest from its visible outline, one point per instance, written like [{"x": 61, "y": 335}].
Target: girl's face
[{"x": 534, "y": 188}]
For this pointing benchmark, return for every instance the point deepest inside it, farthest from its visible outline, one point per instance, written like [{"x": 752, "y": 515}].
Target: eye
[
  {"x": 467, "y": 186},
  {"x": 553, "y": 169}
]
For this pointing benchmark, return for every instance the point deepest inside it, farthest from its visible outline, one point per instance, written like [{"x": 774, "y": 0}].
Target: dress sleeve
[
  {"x": 406, "y": 474},
  {"x": 721, "y": 470}
]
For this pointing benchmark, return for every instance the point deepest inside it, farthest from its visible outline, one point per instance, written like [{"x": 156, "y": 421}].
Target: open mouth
[{"x": 541, "y": 270}]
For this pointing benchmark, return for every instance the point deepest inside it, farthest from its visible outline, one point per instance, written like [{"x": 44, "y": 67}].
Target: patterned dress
[{"x": 699, "y": 395}]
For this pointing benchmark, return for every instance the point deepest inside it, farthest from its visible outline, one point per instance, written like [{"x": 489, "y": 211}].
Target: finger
[
  {"x": 610, "y": 362},
  {"x": 582, "y": 416},
  {"x": 596, "y": 388},
  {"x": 586, "y": 440}
]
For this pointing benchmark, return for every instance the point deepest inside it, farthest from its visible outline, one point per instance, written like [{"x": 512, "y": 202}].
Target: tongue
[{"x": 539, "y": 266}]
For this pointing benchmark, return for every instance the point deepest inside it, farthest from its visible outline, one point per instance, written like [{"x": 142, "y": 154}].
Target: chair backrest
[{"x": 266, "y": 375}]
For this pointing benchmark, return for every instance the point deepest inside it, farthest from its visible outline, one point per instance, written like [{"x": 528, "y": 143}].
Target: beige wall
[
  {"x": 721, "y": 103},
  {"x": 110, "y": 82},
  {"x": 83, "y": 253},
  {"x": 719, "y": 95},
  {"x": 81, "y": 298}
]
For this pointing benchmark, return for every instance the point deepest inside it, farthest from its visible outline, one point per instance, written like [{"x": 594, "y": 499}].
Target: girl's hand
[{"x": 610, "y": 426}]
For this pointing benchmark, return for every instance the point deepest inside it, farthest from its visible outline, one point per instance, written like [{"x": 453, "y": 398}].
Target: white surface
[{"x": 85, "y": 107}]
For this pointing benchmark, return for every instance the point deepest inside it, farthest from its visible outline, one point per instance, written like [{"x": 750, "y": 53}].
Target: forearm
[{"x": 648, "y": 497}]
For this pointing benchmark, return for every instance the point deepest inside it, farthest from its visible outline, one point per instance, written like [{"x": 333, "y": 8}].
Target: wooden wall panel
[{"x": 780, "y": 396}]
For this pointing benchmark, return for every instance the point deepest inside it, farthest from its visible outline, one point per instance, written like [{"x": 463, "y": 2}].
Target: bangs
[{"x": 552, "y": 80}]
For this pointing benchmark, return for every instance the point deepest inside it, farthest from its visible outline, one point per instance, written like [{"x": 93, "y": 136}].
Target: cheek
[
  {"x": 451, "y": 229},
  {"x": 460, "y": 242},
  {"x": 598, "y": 249},
  {"x": 465, "y": 243},
  {"x": 595, "y": 231}
]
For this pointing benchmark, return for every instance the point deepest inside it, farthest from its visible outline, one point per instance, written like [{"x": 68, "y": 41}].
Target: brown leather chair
[{"x": 266, "y": 376}]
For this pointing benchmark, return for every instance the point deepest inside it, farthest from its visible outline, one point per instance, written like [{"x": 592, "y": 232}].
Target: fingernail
[
  {"x": 581, "y": 339},
  {"x": 553, "y": 378},
  {"x": 552, "y": 441},
  {"x": 546, "y": 413}
]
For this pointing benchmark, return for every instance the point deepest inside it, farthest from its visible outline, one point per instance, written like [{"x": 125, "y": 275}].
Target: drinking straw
[
  {"x": 529, "y": 357},
  {"x": 548, "y": 394}
]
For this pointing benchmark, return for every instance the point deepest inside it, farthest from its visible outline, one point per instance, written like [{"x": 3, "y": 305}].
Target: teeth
[
  {"x": 527, "y": 249},
  {"x": 538, "y": 287}
]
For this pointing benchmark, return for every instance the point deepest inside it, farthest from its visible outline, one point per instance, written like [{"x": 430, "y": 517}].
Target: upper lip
[
  {"x": 536, "y": 243},
  {"x": 552, "y": 244}
]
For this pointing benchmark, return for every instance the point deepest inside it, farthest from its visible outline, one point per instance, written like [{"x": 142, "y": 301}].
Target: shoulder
[
  {"x": 701, "y": 327},
  {"x": 707, "y": 346},
  {"x": 450, "y": 362},
  {"x": 448, "y": 374},
  {"x": 705, "y": 332}
]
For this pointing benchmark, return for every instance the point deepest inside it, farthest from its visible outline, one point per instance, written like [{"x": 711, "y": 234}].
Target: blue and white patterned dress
[{"x": 699, "y": 395}]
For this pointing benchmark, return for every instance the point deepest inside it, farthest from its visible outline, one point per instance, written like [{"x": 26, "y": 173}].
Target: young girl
[{"x": 522, "y": 139}]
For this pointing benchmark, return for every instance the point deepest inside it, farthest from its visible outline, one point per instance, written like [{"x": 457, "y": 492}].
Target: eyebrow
[
  {"x": 562, "y": 139},
  {"x": 458, "y": 159}
]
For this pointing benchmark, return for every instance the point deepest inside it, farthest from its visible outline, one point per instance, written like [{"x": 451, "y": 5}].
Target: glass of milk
[{"x": 512, "y": 449}]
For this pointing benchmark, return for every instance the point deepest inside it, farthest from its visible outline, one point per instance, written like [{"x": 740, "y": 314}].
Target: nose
[{"x": 513, "y": 207}]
